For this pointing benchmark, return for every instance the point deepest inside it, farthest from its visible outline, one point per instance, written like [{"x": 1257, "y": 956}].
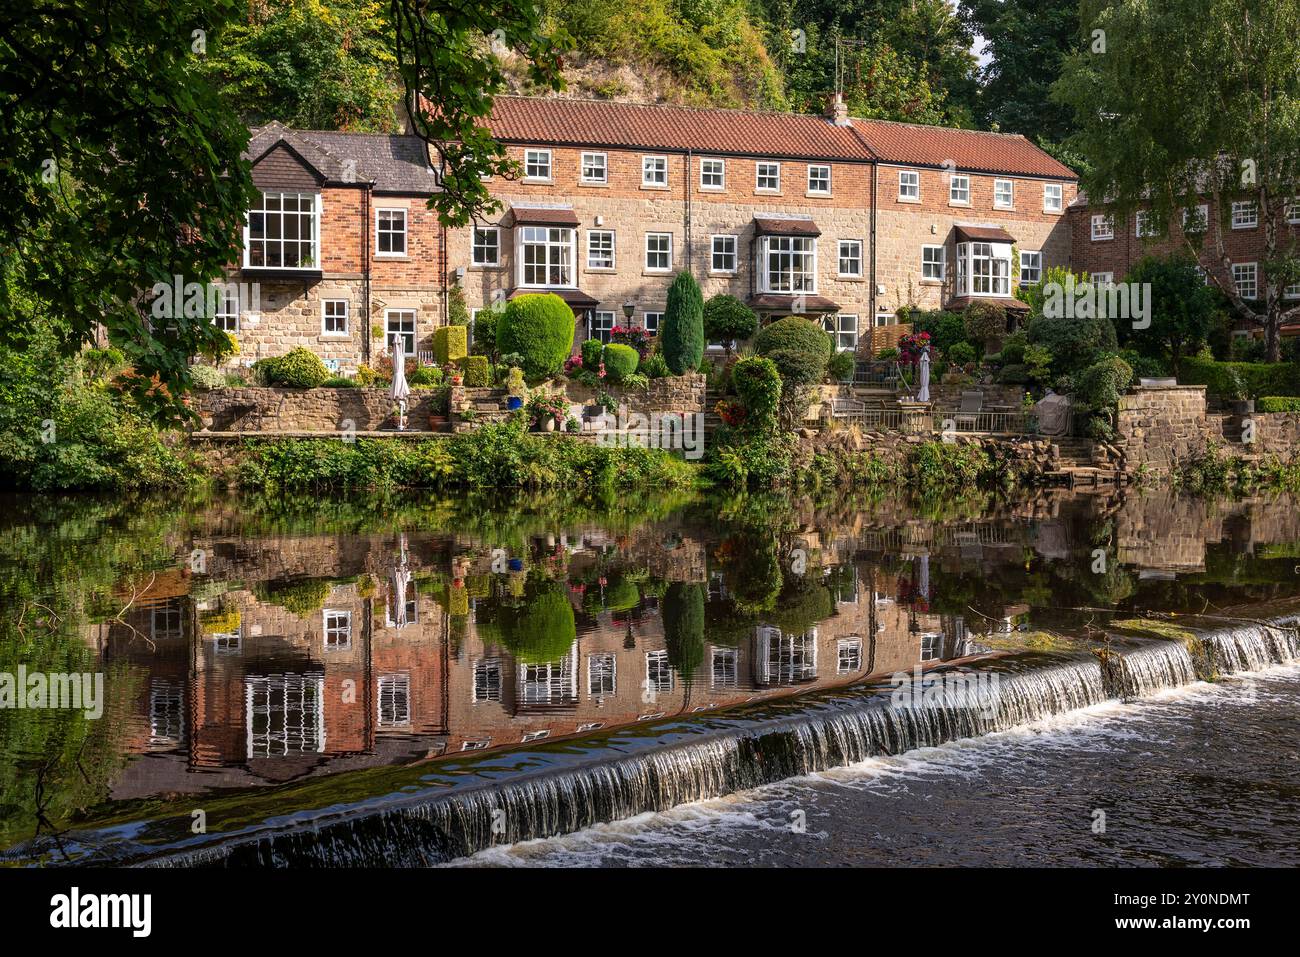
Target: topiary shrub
[
  {"x": 477, "y": 373},
  {"x": 450, "y": 344},
  {"x": 592, "y": 350},
  {"x": 728, "y": 320},
  {"x": 620, "y": 361},
  {"x": 300, "y": 368},
  {"x": 681, "y": 332},
  {"x": 800, "y": 348},
  {"x": 960, "y": 353},
  {"x": 758, "y": 383},
  {"x": 540, "y": 328},
  {"x": 484, "y": 339}
]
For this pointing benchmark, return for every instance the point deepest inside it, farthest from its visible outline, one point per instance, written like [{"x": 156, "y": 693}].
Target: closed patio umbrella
[
  {"x": 399, "y": 390},
  {"x": 923, "y": 389}
]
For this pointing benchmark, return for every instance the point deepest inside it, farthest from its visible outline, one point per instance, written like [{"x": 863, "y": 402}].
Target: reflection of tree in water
[{"x": 536, "y": 628}]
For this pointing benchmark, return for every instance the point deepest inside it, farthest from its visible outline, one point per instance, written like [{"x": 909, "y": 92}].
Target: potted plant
[
  {"x": 516, "y": 390},
  {"x": 439, "y": 409},
  {"x": 1240, "y": 402},
  {"x": 546, "y": 412}
]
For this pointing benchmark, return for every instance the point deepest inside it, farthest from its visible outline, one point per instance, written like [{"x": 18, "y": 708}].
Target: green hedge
[
  {"x": 540, "y": 328},
  {"x": 300, "y": 368},
  {"x": 1257, "y": 378},
  {"x": 450, "y": 344},
  {"x": 1278, "y": 403},
  {"x": 477, "y": 373},
  {"x": 620, "y": 361}
]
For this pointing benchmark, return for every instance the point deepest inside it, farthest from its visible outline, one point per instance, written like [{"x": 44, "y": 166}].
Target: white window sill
[
  {"x": 819, "y": 195},
  {"x": 1242, "y": 229},
  {"x": 547, "y": 181},
  {"x": 965, "y": 205},
  {"x": 593, "y": 183},
  {"x": 334, "y": 337},
  {"x": 713, "y": 189},
  {"x": 485, "y": 267},
  {"x": 931, "y": 282},
  {"x": 722, "y": 272},
  {"x": 767, "y": 192},
  {"x": 662, "y": 187},
  {"x": 909, "y": 199},
  {"x": 1004, "y": 209},
  {"x": 850, "y": 277},
  {"x": 601, "y": 269},
  {"x": 657, "y": 272},
  {"x": 393, "y": 257},
  {"x": 1051, "y": 212}
]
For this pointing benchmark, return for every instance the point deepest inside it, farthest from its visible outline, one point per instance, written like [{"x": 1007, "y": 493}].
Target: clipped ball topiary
[
  {"x": 758, "y": 383},
  {"x": 728, "y": 320},
  {"x": 681, "y": 331},
  {"x": 800, "y": 348},
  {"x": 300, "y": 368},
  {"x": 620, "y": 361},
  {"x": 540, "y": 328},
  {"x": 592, "y": 350}
]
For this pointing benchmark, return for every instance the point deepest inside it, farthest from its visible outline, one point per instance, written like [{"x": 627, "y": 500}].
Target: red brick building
[{"x": 793, "y": 213}]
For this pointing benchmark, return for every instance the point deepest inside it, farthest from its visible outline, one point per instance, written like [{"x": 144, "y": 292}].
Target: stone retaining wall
[
  {"x": 268, "y": 409},
  {"x": 670, "y": 394}
]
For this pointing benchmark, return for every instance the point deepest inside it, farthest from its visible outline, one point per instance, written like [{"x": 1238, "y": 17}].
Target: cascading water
[
  {"x": 1149, "y": 669},
  {"x": 1253, "y": 646},
  {"x": 691, "y": 761}
]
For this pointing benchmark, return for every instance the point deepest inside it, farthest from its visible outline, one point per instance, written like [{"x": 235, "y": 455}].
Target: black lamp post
[{"x": 628, "y": 309}]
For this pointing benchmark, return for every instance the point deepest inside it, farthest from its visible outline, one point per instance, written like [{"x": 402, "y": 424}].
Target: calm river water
[{"x": 685, "y": 680}]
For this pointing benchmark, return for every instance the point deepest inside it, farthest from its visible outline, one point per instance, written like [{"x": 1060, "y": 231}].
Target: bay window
[
  {"x": 546, "y": 256},
  {"x": 787, "y": 264},
  {"x": 983, "y": 269},
  {"x": 283, "y": 232}
]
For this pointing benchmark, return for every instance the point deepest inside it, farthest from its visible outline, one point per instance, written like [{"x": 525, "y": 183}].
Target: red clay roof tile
[
  {"x": 570, "y": 122},
  {"x": 910, "y": 144}
]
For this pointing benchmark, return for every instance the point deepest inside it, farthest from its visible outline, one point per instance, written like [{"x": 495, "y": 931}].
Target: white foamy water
[{"x": 1195, "y": 774}]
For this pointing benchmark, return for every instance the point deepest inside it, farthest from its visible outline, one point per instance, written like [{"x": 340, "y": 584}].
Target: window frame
[
  {"x": 969, "y": 256},
  {"x": 903, "y": 195},
  {"x": 759, "y": 176},
  {"x": 325, "y": 317},
  {"x": 645, "y": 262},
  {"x": 313, "y": 243},
  {"x": 840, "y": 257},
  {"x": 403, "y": 232},
  {"x": 414, "y": 333},
  {"x": 646, "y": 182},
  {"x": 523, "y": 243},
  {"x": 530, "y": 162},
  {"x": 474, "y": 247},
  {"x": 734, "y": 254},
  {"x": 225, "y": 318},
  {"x": 1038, "y": 267},
  {"x": 613, "y": 250},
  {"x": 1059, "y": 205},
  {"x": 941, "y": 262},
  {"x": 1242, "y": 206},
  {"x": 1010, "y": 202},
  {"x": 600, "y": 325},
  {"x": 836, "y": 333},
  {"x": 1254, "y": 279},
  {"x": 722, "y": 174},
  {"x": 1107, "y": 222},
  {"x": 807, "y": 256},
  {"x": 584, "y": 179},
  {"x": 819, "y": 192},
  {"x": 952, "y": 189}
]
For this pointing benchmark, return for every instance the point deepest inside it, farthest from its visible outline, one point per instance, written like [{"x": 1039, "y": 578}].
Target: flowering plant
[
  {"x": 732, "y": 413},
  {"x": 912, "y": 345},
  {"x": 635, "y": 336},
  {"x": 542, "y": 407}
]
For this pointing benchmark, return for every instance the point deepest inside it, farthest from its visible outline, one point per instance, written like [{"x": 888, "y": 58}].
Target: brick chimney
[{"x": 836, "y": 110}]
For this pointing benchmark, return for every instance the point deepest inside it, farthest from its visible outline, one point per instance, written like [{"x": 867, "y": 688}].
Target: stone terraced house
[{"x": 829, "y": 216}]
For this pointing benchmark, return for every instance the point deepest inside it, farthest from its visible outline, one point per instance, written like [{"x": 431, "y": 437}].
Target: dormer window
[
  {"x": 283, "y": 232},
  {"x": 984, "y": 269}
]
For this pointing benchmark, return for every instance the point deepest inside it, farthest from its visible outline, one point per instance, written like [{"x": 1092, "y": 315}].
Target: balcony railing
[{"x": 922, "y": 421}]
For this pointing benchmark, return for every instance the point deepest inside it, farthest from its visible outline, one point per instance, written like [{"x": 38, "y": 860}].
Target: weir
[{"x": 710, "y": 758}]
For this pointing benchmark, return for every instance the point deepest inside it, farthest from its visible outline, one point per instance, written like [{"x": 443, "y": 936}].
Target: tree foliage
[
  {"x": 1234, "y": 135},
  {"x": 311, "y": 64},
  {"x": 1182, "y": 309},
  {"x": 682, "y": 331}
]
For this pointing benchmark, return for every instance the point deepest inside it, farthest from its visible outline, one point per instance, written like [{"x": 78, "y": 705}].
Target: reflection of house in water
[{"x": 255, "y": 679}]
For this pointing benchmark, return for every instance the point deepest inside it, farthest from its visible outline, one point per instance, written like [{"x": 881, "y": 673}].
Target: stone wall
[
  {"x": 684, "y": 394},
  {"x": 1161, "y": 426},
  {"x": 266, "y": 409}
]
